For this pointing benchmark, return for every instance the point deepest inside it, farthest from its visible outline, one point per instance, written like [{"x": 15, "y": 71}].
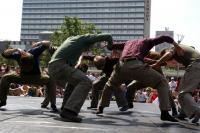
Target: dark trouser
[
  {"x": 137, "y": 70},
  {"x": 98, "y": 85},
  {"x": 63, "y": 74},
  {"x": 107, "y": 94},
  {"x": 30, "y": 80},
  {"x": 67, "y": 93},
  {"x": 189, "y": 82}
]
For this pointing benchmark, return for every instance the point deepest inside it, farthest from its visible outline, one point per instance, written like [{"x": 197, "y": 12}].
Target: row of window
[
  {"x": 121, "y": 37},
  {"x": 127, "y": 37},
  {"x": 117, "y": 26},
  {"x": 85, "y": 16},
  {"x": 84, "y": 4},
  {"x": 67, "y": 9},
  {"x": 125, "y": 20},
  {"x": 107, "y": 31},
  {"x": 79, "y": 10}
]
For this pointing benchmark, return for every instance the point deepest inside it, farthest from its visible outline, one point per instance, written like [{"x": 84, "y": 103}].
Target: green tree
[{"x": 71, "y": 26}]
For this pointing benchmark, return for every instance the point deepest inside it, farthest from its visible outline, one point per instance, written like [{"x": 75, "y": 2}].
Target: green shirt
[
  {"x": 71, "y": 49},
  {"x": 190, "y": 55}
]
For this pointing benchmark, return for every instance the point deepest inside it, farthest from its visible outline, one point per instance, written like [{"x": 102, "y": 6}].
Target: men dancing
[
  {"x": 105, "y": 63},
  {"x": 190, "y": 81},
  {"x": 131, "y": 67},
  {"x": 62, "y": 67},
  {"x": 29, "y": 73}
]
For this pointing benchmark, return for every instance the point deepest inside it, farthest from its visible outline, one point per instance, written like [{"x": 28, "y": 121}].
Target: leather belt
[{"x": 128, "y": 59}]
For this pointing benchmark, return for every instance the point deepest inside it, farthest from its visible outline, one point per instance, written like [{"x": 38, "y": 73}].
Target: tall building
[
  {"x": 162, "y": 46},
  {"x": 124, "y": 19}
]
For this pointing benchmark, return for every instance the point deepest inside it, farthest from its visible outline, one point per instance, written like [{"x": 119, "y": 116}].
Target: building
[
  {"x": 162, "y": 46},
  {"x": 124, "y": 19},
  {"x": 25, "y": 45},
  {"x": 3, "y": 45}
]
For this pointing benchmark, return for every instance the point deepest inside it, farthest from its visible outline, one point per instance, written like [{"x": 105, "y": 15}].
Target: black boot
[
  {"x": 2, "y": 103},
  {"x": 69, "y": 116},
  {"x": 124, "y": 108},
  {"x": 54, "y": 108},
  {"x": 100, "y": 110},
  {"x": 130, "y": 105},
  {"x": 181, "y": 116},
  {"x": 174, "y": 111},
  {"x": 165, "y": 116}
]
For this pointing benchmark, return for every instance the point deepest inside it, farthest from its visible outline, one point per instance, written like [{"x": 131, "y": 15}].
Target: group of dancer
[{"x": 137, "y": 67}]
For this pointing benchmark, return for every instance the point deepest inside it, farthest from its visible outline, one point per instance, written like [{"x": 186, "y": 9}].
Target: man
[
  {"x": 190, "y": 81},
  {"x": 105, "y": 64},
  {"x": 29, "y": 73},
  {"x": 150, "y": 59},
  {"x": 62, "y": 67},
  {"x": 172, "y": 85},
  {"x": 132, "y": 67}
]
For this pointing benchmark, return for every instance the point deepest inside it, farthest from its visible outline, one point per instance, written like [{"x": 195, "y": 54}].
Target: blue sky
[{"x": 181, "y": 16}]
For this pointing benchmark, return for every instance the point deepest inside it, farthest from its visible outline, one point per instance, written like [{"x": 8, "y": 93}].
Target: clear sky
[{"x": 181, "y": 16}]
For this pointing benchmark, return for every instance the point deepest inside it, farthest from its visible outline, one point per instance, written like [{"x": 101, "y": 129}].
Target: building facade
[
  {"x": 162, "y": 46},
  {"x": 124, "y": 19}
]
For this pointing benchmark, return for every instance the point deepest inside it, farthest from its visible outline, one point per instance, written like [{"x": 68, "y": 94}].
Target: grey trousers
[
  {"x": 106, "y": 92},
  {"x": 137, "y": 70},
  {"x": 63, "y": 74},
  {"x": 189, "y": 82}
]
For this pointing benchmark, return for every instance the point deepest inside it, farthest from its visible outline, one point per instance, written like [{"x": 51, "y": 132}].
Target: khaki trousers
[
  {"x": 189, "y": 82},
  {"x": 63, "y": 74},
  {"x": 137, "y": 70}
]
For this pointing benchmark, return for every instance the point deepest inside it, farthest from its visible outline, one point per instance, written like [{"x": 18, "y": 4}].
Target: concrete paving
[{"x": 24, "y": 115}]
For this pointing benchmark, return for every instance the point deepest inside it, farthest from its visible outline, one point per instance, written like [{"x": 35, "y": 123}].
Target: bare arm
[
  {"x": 10, "y": 51},
  {"x": 44, "y": 43},
  {"x": 167, "y": 56}
]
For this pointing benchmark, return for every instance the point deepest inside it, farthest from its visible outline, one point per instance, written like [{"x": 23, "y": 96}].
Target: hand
[
  {"x": 155, "y": 66},
  {"x": 77, "y": 66},
  {"x": 46, "y": 43},
  {"x": 178, "y": 49},
  {"x": 19, "y": 50}
]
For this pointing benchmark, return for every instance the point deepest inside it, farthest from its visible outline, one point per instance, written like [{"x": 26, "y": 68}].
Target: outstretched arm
[
  {"x": 9, "y": 52},
  {"x": 167, "y": 56},
  {"x": 84, "y": 57},
  {"x": 44, "y": 43}
]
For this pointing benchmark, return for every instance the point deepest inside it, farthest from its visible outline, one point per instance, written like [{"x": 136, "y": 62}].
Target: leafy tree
[{"x": 71, "y": 26}]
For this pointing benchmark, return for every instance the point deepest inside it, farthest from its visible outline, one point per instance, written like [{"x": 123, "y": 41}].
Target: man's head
[{"x": 99, "y": 62}]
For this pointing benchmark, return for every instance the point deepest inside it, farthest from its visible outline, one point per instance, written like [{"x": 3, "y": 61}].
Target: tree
[{"x": 71, "y": 26}]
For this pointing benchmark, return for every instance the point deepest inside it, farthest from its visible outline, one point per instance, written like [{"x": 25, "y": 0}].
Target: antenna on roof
[{"x": 180, "y": 38}]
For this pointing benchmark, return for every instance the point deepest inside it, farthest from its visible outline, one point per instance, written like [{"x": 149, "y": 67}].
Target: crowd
[{"x": 135, "y": 75}]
